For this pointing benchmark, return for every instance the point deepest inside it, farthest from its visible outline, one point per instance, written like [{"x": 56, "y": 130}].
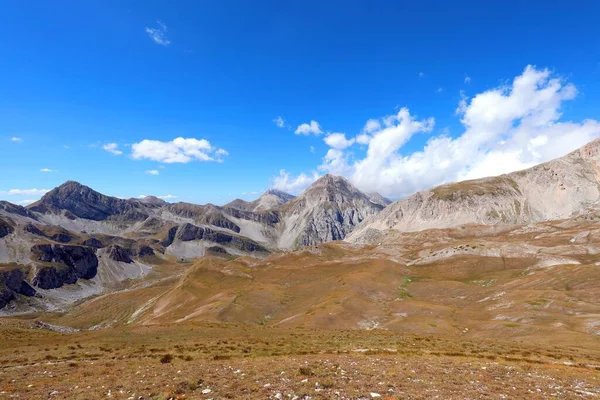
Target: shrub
[{"x": 166, "y": 359}]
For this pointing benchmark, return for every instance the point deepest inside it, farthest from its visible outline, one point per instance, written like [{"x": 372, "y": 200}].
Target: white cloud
[
  {"x": 312, "y": 149},
  {"x": 16, "y": 139},
  {"x": 507, "y": 128},
  {"x": 439, "y": 90},
  {"x": 152, "y": 172},
  {"x": 286, "y": 183},
  {"x": 421, "y": 74},
  {"x": 159, "y": 35},
  {"x": 338, "y": 141},
  {"x": 363, "y": 138},
  {"x": 467, "y": 79},
  {"x": 25, "y": 192},
  {"x": 112, "y": 148},
  {"x": 371, "y": 125},
  {"x": 26, "y": 202},
  {"x": 306, "y": 129},
  {"x": 280, "y": 122},
  {"x": 179, "y": 150},
  {"x": 46, "y": 170}
]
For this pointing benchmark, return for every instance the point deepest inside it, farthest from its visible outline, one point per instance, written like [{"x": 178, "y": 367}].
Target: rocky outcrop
[
  {"x": 328, "y": 210},
  {"x": 557, "y": 189},
  {"x": 93, "y": 242},
  {"x": 188, "y": 232},
  {"x": 12, "y": 283},
  {"x": 11, "y": 208},
  {"x": 68, "y": 263},
  {"x": 145, "y": 251},
  {"x": 117, "y": 253},
  {"x": 5, "y": 228}
]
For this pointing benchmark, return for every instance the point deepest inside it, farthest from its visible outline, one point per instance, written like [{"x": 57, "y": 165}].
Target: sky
[{"x": 208, "y": 101}]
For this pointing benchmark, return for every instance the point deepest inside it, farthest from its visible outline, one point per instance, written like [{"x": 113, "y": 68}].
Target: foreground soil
[{"x": 238, "y": 362}]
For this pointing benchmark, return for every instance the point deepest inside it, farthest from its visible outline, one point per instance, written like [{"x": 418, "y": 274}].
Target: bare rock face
[
  {"x": 12, "y": 282},
  {"x": 328, "y": 210},
  {"x": 5, "y": 228},
  {"x": 557, "y": 189},
  {"x": 68, "y": 264},
  {"x": 188, "y": 232},
  {"x": 117, "y": 253},
  {"x": 145, "y": 251},
  {"x": 93, "y": 242}
]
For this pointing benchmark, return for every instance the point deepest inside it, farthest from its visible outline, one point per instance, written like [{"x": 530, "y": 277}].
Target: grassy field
[
  {"x": 472, "y": 312},
  {"x": 231, "y": 361}
]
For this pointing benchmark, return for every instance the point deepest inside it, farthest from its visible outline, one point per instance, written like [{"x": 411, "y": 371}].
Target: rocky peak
[
  {"x": 83, "y": 202},
  {"x": 328, "y": 210},
  {"x": 152, "y": 200}
]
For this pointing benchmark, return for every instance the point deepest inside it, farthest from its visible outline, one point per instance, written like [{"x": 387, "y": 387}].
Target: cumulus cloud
[
  {"x": 280, "y": 122},
  {"x": 25, "y": 192},
  {"x": 112, "y": 148},
  {"x": 159, "y": 35},
  {"x": 306, "y": 129},
  {"x": 152, "y": 172},
  {"x": 507, "y": 128},
  {"x": 179, "y": 150},
  {"x": 46, "y": 170},
  {"x": 338, "y": 141},
  {"x": 286, "y": 183},
  {"x": 26, "y": 202},
  {"x": 16, "y": 139}
]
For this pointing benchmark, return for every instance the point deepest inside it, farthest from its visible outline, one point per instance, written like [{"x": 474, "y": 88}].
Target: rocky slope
[{"x": 557, "y": 189}]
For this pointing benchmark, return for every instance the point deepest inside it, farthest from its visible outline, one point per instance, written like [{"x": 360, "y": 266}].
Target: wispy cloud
[
  {"x": 152, "y": 172},
  {"x": 280, "y": 122},
  {"x": 25, "y": 192},
  {"x": 421, "y": 74},
  {"x": 179, "y": 150},
  {"x": 439, "y": 90},
  {"x": 159, "y": 35},
  {"x": 467, "y": 79},
  {"x": 16, "y": 139},
  {"x": 112, "y": 148},
  {"x": 167, "y": 197},
  {"x": 26, "y": 202},
  {"x": 46, "y": 170}
]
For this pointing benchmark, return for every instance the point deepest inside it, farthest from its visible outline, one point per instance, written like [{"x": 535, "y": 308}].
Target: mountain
[
  {"x": 73, "y": 199},
  {"x": 76, "y": 242},
  {"x": 269, "y": 200},
  {"x": 557, "y": 189},
  {"x": 328, "y": 210}
]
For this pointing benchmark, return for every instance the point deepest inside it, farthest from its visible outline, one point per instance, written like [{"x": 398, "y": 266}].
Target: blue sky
[{"x": 83, "y": 81}]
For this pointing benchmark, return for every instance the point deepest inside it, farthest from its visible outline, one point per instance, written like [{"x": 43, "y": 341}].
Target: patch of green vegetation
[
  {"x": 477, "y": 187},
  {"x": 511, "y": 325},
  {"x": 537, "y": 302}
]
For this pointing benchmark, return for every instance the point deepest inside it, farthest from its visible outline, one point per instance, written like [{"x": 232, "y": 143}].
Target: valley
[{"x": 334, "y": 293}]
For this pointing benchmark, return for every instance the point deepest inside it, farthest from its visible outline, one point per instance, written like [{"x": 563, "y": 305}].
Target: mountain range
[{"x": 75, "y": 242}]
